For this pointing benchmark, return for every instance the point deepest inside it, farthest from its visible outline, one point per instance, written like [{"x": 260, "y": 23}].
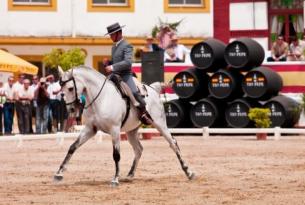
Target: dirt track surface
[{"x": 229, "y": 171}]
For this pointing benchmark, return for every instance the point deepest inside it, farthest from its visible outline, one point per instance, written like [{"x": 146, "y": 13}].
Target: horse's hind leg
[
  {"x": 83, "y": 137},
  {"x": 137, "y": 148},
  {"x": 174, "y": 145}
]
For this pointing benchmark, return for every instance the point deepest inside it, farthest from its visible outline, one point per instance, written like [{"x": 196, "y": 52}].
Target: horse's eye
[{"x": 70, "y": 89}]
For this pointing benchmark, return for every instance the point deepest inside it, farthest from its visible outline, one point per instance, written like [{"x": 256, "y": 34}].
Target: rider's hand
[{"x": 108, "y": 69}]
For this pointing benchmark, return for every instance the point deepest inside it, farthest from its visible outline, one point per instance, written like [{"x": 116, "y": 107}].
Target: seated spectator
[
  {"x": 279, "y": 50},
  {"x": 150, "y": 46},
  {"x": 176, "y": 52},
  {"x": 164, "y": 36},
  {"x": 296, "y": 50}
]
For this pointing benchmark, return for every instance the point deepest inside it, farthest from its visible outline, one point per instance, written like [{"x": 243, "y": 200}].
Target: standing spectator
[
  {"x": 150, "y": 46},
  {"x": 63, "y": 113},
  {"x": 176, "y": 52},
  {"x": 33, "y": 87},
  {"x": 25, "y": 97},
  {"x": 279, "y": 50},
  {"x": 296, "y": 50},
  {"x": 53, "y": 89},
  {"x": 42, "y": 99},
  {"x": 81, "y": 109},
  {"x": 18, "y": 86},
  {"x": 9, "y": 106},
  {"x": 2, "y": 102}
]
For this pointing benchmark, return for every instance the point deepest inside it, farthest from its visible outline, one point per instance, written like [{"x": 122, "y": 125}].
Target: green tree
[{"x": 65, "y": 59}]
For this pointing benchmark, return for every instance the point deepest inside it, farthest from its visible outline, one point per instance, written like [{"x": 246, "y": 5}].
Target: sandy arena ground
[{"x": 232, "y": 170}]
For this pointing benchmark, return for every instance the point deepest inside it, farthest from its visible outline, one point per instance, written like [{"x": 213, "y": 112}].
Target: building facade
[{"x": 31, "y": 28}]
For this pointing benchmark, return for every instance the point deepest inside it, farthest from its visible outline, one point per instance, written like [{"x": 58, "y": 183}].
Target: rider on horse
[{"x": 122, "y": 53}]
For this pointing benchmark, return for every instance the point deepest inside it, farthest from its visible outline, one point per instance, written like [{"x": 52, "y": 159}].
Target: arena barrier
[{"x": 203, "y": 132}]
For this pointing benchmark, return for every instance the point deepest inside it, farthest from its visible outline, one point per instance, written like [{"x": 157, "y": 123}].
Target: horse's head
[{"x": 72, "y": 89}]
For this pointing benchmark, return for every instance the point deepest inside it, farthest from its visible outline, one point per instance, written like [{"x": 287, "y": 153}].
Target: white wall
[
  {"x": 248, "y": 16},
  {"x": 83, "y": 23},
  {"x": 26, "y": 23}
]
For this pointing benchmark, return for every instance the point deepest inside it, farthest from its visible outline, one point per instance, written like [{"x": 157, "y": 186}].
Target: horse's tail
[{"x": 160, "y": 86}]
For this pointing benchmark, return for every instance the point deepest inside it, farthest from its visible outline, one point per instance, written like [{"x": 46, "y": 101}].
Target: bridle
[
  {"x": 62, "y": 83},
  {"x": 76, "y": 101}
]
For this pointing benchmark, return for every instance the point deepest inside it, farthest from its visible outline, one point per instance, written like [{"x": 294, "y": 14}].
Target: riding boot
[{"x": 144, "y": 116}]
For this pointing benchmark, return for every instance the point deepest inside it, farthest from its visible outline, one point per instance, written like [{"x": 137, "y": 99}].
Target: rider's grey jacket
[{"x": 122, "y": 53}]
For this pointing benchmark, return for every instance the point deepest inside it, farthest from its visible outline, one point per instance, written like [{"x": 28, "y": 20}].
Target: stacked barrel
[{"x": 225, "y": 82}]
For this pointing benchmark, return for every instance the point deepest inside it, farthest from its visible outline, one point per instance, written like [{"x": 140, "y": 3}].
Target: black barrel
[
  {"x": 262, "y": 83},
  {"x": 191, "y": 84},
  {"x": 209, "y": 55},
  {"x": 225, "y": 84},
  {"x": 244, "y": 54},
  {"x": 208, "y": 112},
  {"x": 236, "y": 113},
  {"x": 285, "y": 112},
  {"x": 177, "y": 113}
]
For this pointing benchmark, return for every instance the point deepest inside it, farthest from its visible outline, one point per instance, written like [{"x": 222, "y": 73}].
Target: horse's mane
[{"x": 87, "y": 68}]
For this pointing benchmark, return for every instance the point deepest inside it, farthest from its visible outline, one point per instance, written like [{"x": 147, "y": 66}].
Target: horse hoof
[
  {"x": 191, "y": 176},
  {"x": 129, "y": 178},
  {"x": 58, "y": 178},
  {"x": 114, "y": 184}
]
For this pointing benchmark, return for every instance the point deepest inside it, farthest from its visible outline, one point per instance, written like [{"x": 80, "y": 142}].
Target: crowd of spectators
[
  {"x": 37, "y": 105},
  {"x": 282, "y": 51}
]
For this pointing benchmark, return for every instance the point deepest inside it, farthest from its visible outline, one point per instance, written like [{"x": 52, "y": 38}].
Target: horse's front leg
[
  {"x": 116, "y": 157},
  {"x": 83, "y": 137},
  {"x": 174, "y": 145}
]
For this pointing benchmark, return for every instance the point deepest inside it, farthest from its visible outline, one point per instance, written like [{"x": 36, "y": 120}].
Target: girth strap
[
  {"x": 127, "y": 100},
  {"x": 116, "y": 79}
]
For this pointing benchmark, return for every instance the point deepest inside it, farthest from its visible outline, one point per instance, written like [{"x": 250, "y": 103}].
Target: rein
[{"x": 99, "y": 92}]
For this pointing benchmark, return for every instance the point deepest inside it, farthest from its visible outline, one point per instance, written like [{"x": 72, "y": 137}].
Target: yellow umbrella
[{"x": 14, "y": 64}]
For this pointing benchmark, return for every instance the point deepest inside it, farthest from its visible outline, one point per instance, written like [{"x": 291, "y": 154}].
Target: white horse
[{"x": 105, "y": 111}]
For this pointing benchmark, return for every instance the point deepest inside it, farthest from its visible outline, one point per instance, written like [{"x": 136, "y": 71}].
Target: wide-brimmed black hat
[{"x": 114, "y": 28}]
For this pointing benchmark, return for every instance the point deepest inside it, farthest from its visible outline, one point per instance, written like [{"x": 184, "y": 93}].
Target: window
[
  {"x": 186, "y": 6},
  {"x": 295, "y": 4},
  {"x": 186, "y": 3},
  {"x": 32, "y": 5},
  {"x": 34, "y": 2},
  {"x": 110, "y": 5},
  {"x": 110, "y": 2},
  {"x": 286, "y": 18}
]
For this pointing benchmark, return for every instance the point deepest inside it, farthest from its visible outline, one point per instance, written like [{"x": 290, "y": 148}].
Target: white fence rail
[{"x": 205, "y": 133}]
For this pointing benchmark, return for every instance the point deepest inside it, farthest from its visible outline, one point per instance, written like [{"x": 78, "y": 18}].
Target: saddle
[{"x": 127, "y": 95}]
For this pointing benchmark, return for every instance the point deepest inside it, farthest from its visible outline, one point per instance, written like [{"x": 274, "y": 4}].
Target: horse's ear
[{"x": 60, "y": 70}]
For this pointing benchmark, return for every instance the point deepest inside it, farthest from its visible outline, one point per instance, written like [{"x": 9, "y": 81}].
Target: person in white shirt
[
  {"x": 296, "y": 50},
  {"x": 25, "y": 97},
  {"x": 17, "y": 87},
  {"x": 9, "y": 106},
  {"x": 54, "y": 89},
  {"x": 176, "y": 52},
  {"x": 33, "y": 87},
  {"x": 2, "y": 102}
]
